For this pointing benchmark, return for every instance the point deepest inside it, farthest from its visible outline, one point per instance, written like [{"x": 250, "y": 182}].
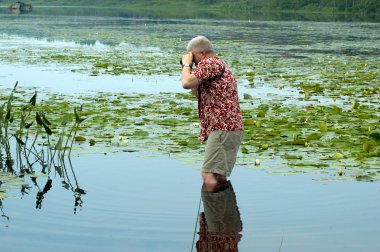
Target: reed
[
  {"x": 31, "y": 145},
  {"x": 26, "y": 135}
]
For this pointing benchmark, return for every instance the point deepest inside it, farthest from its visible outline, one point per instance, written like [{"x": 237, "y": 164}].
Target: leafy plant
[{"x": 28, "y": 138}]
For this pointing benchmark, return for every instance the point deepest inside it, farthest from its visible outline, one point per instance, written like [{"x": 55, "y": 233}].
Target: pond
[
  {"x": 310, "y": 97},
  {"x": 140, "y": 202}
]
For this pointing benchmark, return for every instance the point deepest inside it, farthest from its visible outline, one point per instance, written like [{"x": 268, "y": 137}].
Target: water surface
[
  {"x": 148, "y": 200},
  {"x": 139, "y": 202}
]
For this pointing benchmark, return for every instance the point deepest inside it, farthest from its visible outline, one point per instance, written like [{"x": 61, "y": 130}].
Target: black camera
[
  {"x": 192, "y": 61},
  {"x": 180, "y": 62}
]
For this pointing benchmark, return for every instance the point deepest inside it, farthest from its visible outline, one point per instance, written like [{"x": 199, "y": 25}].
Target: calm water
[
  {"x": 134, "y": 202},
  {"x": 149, "y": 202}
]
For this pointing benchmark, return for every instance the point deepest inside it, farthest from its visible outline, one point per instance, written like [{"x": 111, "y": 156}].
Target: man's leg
[
  {"x": 213, "y": 178},
  {"x": 220, "y": 155},
  {"x": 213, "y": 181}
]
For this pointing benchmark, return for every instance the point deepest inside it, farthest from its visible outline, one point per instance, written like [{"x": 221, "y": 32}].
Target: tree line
[
  {"x": 342, "y": 6},
  {"x": 348, "y": 6}
]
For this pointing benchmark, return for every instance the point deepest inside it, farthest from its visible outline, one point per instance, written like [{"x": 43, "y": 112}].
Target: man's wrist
[{"x": 187, "y": 65}]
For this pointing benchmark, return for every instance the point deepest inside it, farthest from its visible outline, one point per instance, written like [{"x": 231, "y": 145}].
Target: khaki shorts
[{"x": 221, "y": 150}]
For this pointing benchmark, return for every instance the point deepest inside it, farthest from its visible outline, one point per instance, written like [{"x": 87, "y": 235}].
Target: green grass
[{"x": 219, "y": 9}]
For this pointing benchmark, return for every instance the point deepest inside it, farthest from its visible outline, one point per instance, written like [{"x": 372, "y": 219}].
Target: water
[
  {"x": 51, "y": 80},
  {"x": 138, "y": 202},
  {"x": 149, "y": 202}
]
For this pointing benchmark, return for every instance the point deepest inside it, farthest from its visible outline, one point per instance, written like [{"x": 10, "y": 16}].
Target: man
[{"x": 213, "y": 82}]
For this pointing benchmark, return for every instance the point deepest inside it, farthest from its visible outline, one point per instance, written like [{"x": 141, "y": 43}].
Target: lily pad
[
  {"x": 375, "y": 134},
  {"x": 4, "y": 195},
  {"x": 337, "y": 156}
]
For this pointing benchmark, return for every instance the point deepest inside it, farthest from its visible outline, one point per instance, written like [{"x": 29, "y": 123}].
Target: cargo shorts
[{"x": 221, "y": 151}]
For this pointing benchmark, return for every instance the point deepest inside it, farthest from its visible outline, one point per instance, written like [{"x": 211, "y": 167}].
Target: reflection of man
[
  {"x": 220, "y": 223},
  {"x": 213, "y": 82}
]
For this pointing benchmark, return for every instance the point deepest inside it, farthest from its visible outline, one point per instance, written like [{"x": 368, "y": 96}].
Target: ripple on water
[{"x": 150, "y": 204}]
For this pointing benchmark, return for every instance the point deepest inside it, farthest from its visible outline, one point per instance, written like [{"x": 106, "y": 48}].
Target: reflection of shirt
[{"x": 218, "y": 99}]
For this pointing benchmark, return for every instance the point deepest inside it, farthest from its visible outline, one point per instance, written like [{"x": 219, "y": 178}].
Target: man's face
[{"x": 198, "y": 56}]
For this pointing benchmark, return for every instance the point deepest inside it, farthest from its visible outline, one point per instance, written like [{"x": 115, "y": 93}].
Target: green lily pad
[
  {"x": 80, "y": 138},
  {"x": 313, "y": 136},
  {"x": 141, "y": 133},
  {"x": 247, "y": 97},
  {"x": 323, "y": 126},
  {"x": 4, "y": 195},
  {"x": 337, "y": 156},
  {"x": 375, "y": 134},
  {"x": 293, "y": 157}
]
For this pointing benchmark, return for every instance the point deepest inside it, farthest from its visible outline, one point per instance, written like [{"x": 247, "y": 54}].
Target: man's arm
[
  {"x": 195, "y": 91},
  {"x": 189, "y": 80}
]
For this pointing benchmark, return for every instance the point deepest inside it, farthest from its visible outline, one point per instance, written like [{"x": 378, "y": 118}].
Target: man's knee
[
  {"x": 209, "y": 177},
  {"x": 212, "y": 182},
  {"x": 213, "y": 178}
]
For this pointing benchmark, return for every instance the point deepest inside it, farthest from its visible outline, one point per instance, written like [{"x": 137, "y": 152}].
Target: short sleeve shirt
[{"x": 218, "y": 102}]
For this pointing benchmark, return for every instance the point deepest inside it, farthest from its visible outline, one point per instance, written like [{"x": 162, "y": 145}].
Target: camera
[{"x": 181, "y": 63}]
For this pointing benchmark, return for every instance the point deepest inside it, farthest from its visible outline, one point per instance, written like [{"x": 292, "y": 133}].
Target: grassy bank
[{"x": 221, "y": 10}]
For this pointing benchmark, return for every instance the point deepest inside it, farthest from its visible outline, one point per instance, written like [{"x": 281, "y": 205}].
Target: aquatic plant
[
  {"x": 28, "y": 142},
  {"x": 310, "y": 91}
]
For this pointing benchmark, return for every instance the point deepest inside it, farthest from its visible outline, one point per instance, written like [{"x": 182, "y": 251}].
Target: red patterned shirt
[{"x": 218, "y": 102}]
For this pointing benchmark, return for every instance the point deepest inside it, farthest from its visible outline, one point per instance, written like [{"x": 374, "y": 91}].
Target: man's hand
[
  {"x": 187, "y": 58},
  {"x": 189, "y": 81}
]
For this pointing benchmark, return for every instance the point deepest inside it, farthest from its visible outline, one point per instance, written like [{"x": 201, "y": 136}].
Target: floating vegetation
[
  {"x": 167, "y": 123},
  {"x": 321, "y": 115}
]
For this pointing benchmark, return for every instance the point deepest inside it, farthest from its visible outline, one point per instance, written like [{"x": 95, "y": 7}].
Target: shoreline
[{"x": 217, "y": 12}]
